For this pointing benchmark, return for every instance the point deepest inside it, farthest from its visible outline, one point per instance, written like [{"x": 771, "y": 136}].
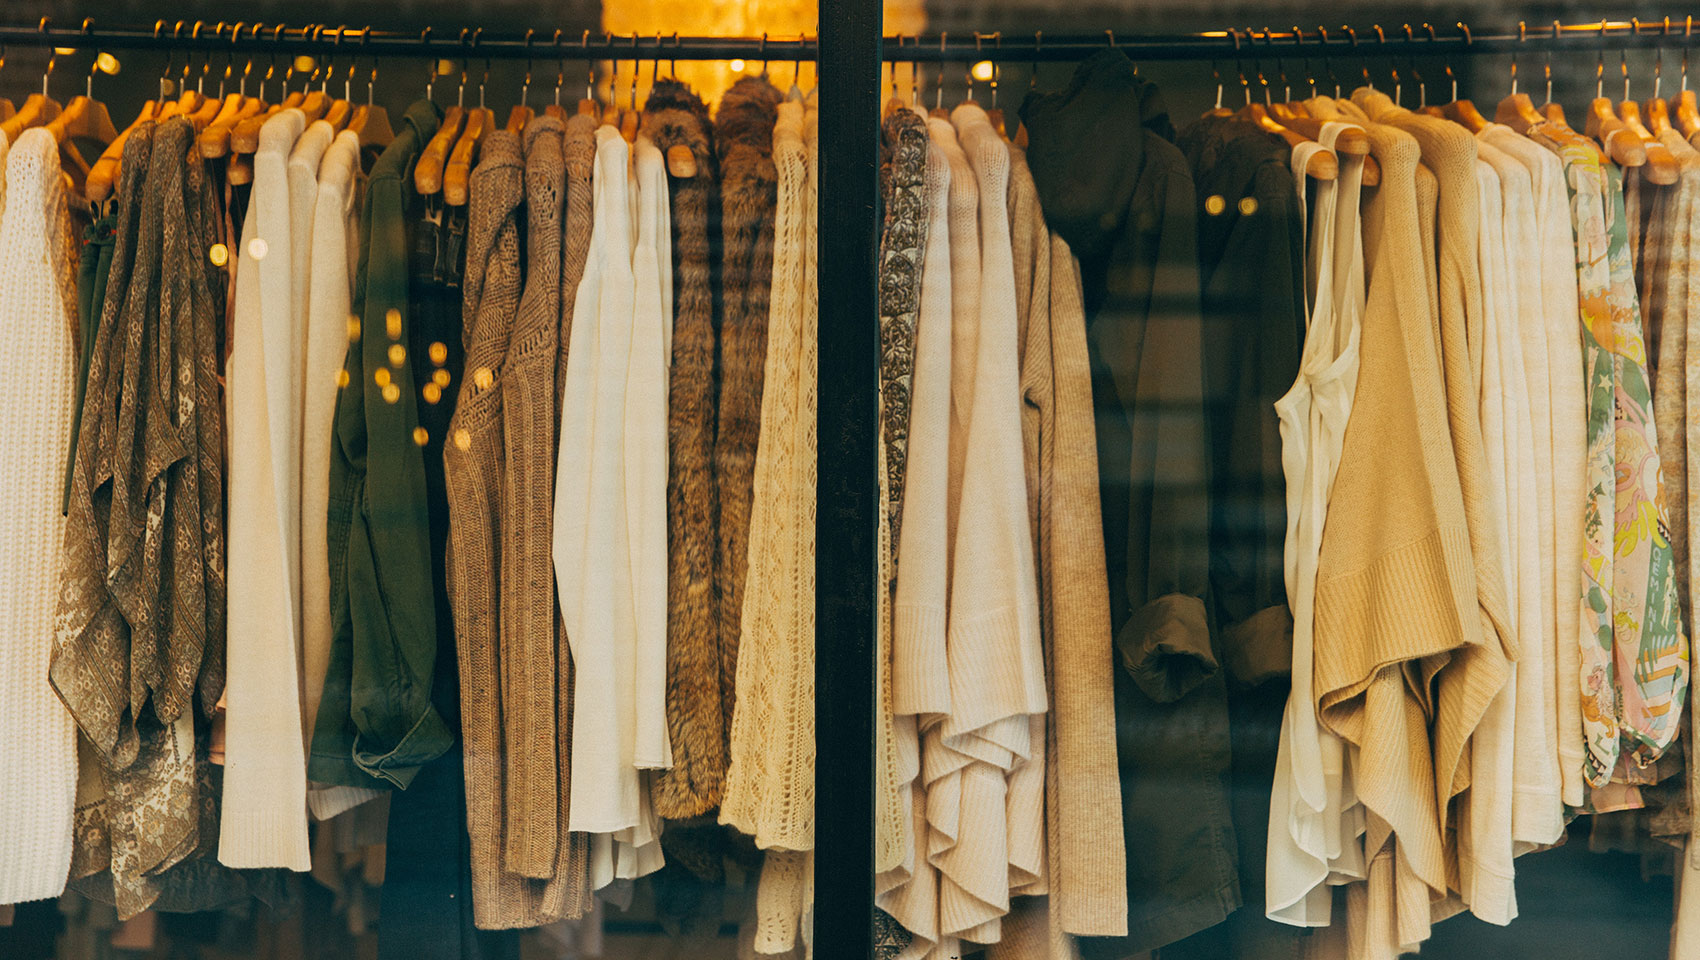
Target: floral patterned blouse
[{"x": 1634, "y": 651}]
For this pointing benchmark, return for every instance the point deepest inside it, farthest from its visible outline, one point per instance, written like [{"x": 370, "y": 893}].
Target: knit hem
[{"x": 264, "y": 838}]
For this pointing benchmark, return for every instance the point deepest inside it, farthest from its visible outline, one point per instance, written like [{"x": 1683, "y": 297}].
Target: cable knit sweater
[
  {"x": 38, "y": 762},
  {"x": 527, "y": 599}
]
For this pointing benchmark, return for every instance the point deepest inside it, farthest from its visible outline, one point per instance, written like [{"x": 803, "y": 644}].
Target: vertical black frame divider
[{"x": 847, "y": 499}]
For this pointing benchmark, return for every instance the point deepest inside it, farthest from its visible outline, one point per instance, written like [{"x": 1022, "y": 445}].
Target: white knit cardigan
[
  {"x": 38, "y": 755},
  {"x": 265, "y": 770}
]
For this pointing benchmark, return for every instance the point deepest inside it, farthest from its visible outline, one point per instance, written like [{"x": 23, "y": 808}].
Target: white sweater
[
  {"x": 332, "y": 257},
  {"x": 38, "y": 755},
  {"x": 265, "y": 774},
  {"x": 591, "y": 547}
]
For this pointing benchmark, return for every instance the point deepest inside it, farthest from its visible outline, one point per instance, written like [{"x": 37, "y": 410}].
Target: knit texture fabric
[
  {"x": 1086, "y": 868},
  {"x": 38, "y": 763},
  {"x": 674, "y": 116},
  {"x": 770, "y": 780},
  {"x": 527, "y": 599},
  {"x": 743, "y": 140},
  {"x": 475, "y": 469},
  {"x": 265, "y": 783}
]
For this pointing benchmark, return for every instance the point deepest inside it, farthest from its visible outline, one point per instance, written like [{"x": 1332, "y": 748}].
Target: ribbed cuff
[{"x": 267, "y": 837}]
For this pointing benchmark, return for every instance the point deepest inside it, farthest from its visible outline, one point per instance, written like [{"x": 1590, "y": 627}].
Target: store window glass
[
  {"x": 412, "y": 546},
  {"x": 1286, "y": 439}
]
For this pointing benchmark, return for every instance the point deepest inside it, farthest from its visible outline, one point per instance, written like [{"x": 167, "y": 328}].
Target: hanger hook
[
  {"x": 968, "y": 74},
  {"x": 1600, "y": 65},
  {"x": 1310, "y": 71},
  {"x": 589, "y": 69},
  {"x": 1623, "y": 69},
  {"x": 51, "y": 57},
  {"x": 1111, "y": 34},
  {"x": 764, "y": 54},
  {"x": 938, "y": 85},
  {"x": 637, "y": 67},
  {"x": 1033, "y": 78}
]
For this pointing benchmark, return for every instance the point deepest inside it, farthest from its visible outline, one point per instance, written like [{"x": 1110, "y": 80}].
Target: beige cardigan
[
  {"x": 1395, "y": 582},
  {"x": 1086, "y": 858}
]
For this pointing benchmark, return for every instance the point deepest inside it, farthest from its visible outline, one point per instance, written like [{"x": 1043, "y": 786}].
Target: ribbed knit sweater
[
  {"x": 1395, "y": 579},
  {"x": 38, "y": 761},
  {"x": 1086, "y": 870},
  {"x": 265, "y": 782}
]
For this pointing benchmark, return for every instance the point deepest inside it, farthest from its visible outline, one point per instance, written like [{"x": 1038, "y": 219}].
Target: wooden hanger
[
  {"x": 371, "y": 122},
  {"x": 1322, "y": 165},
  {"x": 1687, "y": 115},
  {"x": 428, "y": 169},
  {"x": 104, "y": 173},
  {"x": 1518, "y": 112},
  {"x": 1661, "y": 166},
  {"x": 1658, "y": 116},
  {"x": 84, "y": 118},
  {"x": 1619, "y": 142},
  {"x": 1352, "y": 141},
  {"x": 518, "y": 117},
  {"x": 457, "y": 173}
]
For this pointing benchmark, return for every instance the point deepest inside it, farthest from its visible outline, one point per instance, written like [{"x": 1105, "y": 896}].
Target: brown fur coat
[
  {"x": 743, "y": 135},
  {"x": 675, "y": 116}
]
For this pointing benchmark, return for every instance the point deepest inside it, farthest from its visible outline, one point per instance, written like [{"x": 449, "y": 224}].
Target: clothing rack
[
  {"x": 1405, "y": 40},
  {"x": 849, "y": 51}
]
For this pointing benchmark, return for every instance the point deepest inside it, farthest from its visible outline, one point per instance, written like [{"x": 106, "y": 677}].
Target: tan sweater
[
  {"x": 1469, "y": 683},
  {"x": 1395, "y": 584},
  {"x": 1086, "y": 859}
]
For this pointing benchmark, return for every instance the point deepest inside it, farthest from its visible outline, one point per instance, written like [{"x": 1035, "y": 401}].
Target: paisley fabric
[
  {"x": 901, "y": 242},
  {"x": 1634, "y": 651}
]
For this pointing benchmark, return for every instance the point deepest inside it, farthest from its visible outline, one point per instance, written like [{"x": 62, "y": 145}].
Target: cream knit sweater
[
  {"x": 38, "y": 757},
  {"x": 264, "y": 820},
  {"x": 909, "y": 891},
  {"x": 332, "y": 258}
]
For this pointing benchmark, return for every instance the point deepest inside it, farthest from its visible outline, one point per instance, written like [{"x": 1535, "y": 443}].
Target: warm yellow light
[
  {"x": 64, "y": 51},
  {"x": 304, "y": 64},
  {"x": 107, "y": 63},
  {"x": 257, "y": 248},
  {"x": 983, "y": 70},
  {"x": 421, "y": 436},
  {"x": 219, "y": 254},
  {"x": 737, "y": 66},
  {"x": 445, "y": 67}
]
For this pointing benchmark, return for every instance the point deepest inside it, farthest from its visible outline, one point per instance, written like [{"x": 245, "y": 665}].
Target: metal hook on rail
[
  {"x": 637, "y": 67},
  {"x": 938, "y": 87},
  {"x": 1304, "y": 58},
  {"x": 51, "y": 57},
  {"x": 1239, "y": 66},
  {"x": 1468, "y": 41},
  {"x": 525, "y": 87},
  {"x": 589, "y": 69},
  {"x": 1327, "y": 63},
  {"x": 1033, "y": 78},
  {"x": 764, "y": 54},
  {"x": 1600, "y": 65},
  {"x": 1623, "y": 60},
  {"x": 431, "y": 74}
]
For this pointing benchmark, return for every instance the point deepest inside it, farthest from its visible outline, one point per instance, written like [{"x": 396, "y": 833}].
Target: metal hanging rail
[
  {"x": 1345, "y": 41},
  {"x": 343, "y": 40}
]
